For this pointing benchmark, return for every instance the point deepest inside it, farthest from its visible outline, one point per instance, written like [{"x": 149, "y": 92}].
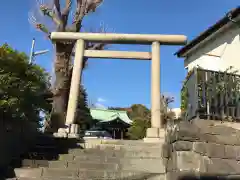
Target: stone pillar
[
  {"x": 155, "y": 133},
  {"x": 72, "y": 130}
]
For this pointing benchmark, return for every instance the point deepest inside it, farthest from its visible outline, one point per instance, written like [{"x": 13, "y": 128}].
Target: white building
[
  {"x": 217, "y": 48},
  {"x": 177, "y": 112}
]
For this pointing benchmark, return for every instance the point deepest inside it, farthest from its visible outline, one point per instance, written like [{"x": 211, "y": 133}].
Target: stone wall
[{"x": 201, "y": 148}]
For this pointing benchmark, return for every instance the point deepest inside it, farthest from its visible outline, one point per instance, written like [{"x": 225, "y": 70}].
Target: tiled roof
[{"x": 106, "y": 115}]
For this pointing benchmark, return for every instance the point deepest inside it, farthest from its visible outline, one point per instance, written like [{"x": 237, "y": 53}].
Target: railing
[{"x": 211, "y": 95}]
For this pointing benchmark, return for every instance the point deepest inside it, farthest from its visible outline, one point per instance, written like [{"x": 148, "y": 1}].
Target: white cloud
[
  {"x": 100, "y": 106},
  {"x": 101, "y": 100},
  {"x": 100, "y": 103}
]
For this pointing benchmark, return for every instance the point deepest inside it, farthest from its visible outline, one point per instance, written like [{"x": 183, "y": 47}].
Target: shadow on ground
[
  {"x": 210, "y": 177},
  {"x": 44, "y": 148}
]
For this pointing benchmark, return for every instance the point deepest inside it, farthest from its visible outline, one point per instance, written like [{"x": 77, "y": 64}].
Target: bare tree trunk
[
  {"x": 60, "y": 17},
  {"x": 61, "y": 86}
]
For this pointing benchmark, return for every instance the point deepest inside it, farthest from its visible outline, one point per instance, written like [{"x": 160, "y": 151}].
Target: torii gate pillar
[{"x": 156, "y": 132}]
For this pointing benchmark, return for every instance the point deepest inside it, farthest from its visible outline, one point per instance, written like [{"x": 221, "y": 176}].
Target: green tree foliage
[
  {"x": 23, "y": 87},
  {"x": 141, "y": 121},
  {"x": 139, "y": 111},
  {"x": 84, "y": 117},
  {"x": 141, "y": 117},
  {"x": 135, "y": 111},
  {"x": 138, "y": 129}
]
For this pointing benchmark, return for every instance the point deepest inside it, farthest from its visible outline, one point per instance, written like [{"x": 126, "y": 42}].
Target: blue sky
[{"x": 123, "y": 82}]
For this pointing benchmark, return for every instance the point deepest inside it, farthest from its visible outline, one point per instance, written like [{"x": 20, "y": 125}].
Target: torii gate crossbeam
[{"x": 156, "y": 132}]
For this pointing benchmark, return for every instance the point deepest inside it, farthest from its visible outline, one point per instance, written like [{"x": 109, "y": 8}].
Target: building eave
[
  {"x": 106, "y": 115},
  {"x": 210, "y": 31}
]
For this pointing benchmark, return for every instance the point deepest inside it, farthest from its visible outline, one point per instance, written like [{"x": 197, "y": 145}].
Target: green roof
[{"x": 106, "y": 115}]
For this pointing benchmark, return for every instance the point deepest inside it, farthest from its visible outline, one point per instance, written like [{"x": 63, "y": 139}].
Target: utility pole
[{"x": 33, "y": 53}]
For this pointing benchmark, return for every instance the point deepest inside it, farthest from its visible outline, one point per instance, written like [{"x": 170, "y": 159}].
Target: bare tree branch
[
  {"x": 97, "y": 46},
  {"x": 84, "y": 7},
  {"x": 103, "y": 29},
  {"x": 91, "y": 5},
  {"x": 32, "y": 20},
  {"x": 58, "y": 8},
  {"x": 78, "y": 17},
  {"x": 65, "y": 14},
  {"x": 49, "y": 10},
  {"x": 67, "y": 8}
]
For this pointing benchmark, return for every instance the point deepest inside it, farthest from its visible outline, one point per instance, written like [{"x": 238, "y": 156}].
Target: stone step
[
  {"x": 145, "y": 165},
  {"x": 40, "y": 156},
  {"x": 129, "y": 148},
  {"x": 34, "y": 163},
  {"x": 84, "y": 165},
  {"x": 41, "y": 152},
  {"x": 118, "y": 153},
  {"x": 93, "y": 143},
  {"x": 82, "y": 174},
  {"x": 70, "y": 157},
  {"x": 28, "y": 172},
  {"x": 118, "y": 175},
  {"x": 121, "y": 142},
  {"x": 151, "y": 165}
]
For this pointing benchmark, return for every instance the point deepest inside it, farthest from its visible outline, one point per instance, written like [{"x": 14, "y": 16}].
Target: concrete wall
[
  {"x": 225, "y": 44},
  {"x": 201, "y": 148}
]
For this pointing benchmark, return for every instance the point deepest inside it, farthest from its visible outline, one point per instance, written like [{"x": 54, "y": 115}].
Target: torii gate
[{"x": 156, "y": 132}]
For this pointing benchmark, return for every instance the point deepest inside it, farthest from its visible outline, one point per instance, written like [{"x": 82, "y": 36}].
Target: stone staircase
[{"x": 99, "y": 159}]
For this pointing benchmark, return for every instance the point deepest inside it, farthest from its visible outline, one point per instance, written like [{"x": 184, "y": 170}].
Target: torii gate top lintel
[
  {"x": 155, "y": 133},
  {"x": 115, "y": 38}
]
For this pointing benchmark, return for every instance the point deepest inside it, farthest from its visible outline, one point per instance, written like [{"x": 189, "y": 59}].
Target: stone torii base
[
  {"x": 156, "y": 132},
  {"x": 71, "y": 131}
]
